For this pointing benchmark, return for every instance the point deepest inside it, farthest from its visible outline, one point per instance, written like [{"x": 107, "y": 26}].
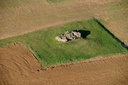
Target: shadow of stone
[{"x": 84, "y": 33}]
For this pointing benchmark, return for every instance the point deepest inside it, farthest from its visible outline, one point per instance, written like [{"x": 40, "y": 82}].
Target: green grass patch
[{"x": 51, "y": 52}]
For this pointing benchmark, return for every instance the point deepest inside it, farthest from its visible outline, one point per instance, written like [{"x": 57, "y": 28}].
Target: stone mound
[{"x": 68, "y": 36}]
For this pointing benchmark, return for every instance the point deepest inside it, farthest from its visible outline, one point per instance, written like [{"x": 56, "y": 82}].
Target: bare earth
[{"x": 19, "y": 67}]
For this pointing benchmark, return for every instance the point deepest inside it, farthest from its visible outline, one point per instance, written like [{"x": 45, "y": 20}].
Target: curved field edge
[
  {"x": 50, "y": 52},
  {"x": 23, "y": 69}
]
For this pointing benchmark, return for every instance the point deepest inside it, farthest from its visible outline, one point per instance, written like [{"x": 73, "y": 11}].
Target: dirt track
[{"x": 19, "y": 67}]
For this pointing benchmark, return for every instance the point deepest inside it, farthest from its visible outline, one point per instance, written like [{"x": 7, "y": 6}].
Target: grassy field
[{"x": 50, "y": 52}]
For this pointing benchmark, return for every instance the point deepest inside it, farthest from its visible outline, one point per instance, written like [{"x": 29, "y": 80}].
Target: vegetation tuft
[{"x": 50, "y": 52}]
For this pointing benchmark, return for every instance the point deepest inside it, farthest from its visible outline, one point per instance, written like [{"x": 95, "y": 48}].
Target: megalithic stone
[{"x": 68, "y": 36}]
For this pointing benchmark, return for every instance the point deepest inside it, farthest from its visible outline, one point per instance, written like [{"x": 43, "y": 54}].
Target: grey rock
[
  {"x": 61, "y": 38},
  {"x": 77, "y": 34},
  {"x": 68, "y": 36}
]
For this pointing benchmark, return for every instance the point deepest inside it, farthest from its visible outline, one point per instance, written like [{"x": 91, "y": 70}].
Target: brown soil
[{"x": 19, "y": 67}]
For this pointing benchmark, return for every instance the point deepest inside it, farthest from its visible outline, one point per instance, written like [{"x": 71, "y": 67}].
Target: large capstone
[{"x": 68, "y": 36}]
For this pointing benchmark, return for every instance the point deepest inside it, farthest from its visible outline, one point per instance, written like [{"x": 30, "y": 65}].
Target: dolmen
[{"x": 68, "y": 36}]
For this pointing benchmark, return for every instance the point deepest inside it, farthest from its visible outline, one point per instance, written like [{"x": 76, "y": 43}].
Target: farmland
[
  {"x": 18, "y": 66},
  {"x": 50, "y": 52},
  {"x": 30, "y": 55}
]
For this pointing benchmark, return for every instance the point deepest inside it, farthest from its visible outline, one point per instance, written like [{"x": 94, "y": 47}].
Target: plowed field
[{"x": 19, "y": 67}]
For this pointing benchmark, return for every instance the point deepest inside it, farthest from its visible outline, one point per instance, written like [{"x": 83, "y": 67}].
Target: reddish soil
[{"x": 19, "y": 67}]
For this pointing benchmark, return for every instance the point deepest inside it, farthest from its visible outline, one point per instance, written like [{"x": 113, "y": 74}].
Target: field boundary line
[{"x": 110, "y": 33}]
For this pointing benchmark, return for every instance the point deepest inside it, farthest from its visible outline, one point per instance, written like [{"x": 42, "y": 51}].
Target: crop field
[
  {"x": 19, "y": 67},
  {"x": 96, "y": 41},
  {"x": 30, "y": 54}
]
